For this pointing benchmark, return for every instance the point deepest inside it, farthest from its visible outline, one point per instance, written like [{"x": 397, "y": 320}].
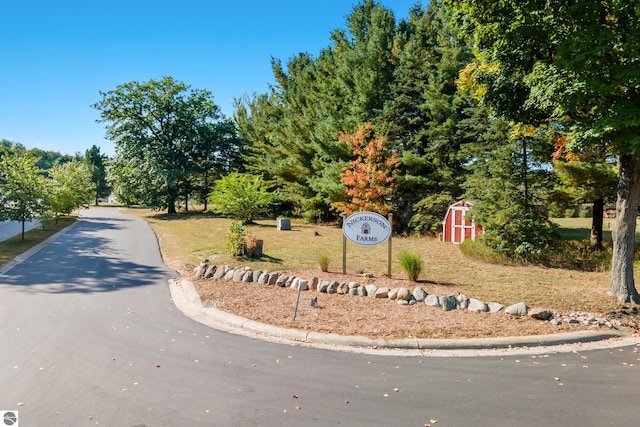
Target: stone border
[{"x": 402, "y": 296}]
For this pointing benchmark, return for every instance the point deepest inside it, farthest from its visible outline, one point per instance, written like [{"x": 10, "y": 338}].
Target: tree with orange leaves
[{"x": 369, "y": 178}]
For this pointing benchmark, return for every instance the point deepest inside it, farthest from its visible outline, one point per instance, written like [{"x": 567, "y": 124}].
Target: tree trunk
[
  {"x": 596, "y": 223},
  {"x": 171, "y": 209},
  {"x": 624, "y": 231}
]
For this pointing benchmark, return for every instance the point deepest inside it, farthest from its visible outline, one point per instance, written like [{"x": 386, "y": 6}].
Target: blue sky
[{"x": 55, "y": 56}]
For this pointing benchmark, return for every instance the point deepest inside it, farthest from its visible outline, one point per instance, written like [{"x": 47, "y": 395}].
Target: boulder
[
  {"x": 495, "y": 307},
  {"x": 210, "y": 272},
  {"x": 463, "y": 301},
  {"x": 448, "y": 303},
  {"x": 419, "y": 294},
  {"x": 256, "y": 275},
  {"x": 477, "y": 305},
  {"x": 432, "y": 301},
  {"x": 404, "y": 294},
  {"x": 372, "y": 289},
  {"x": 229, "y": 274},
  {"x": 219, "y": 273},
  {"x": 382, "y": 292},
  {"x": 238, "y": 275},
  {"x": 322, "y": 286},
  {"x": 333, "y": 287},
  {"x": 281, "y": 281},
  {"x": 352, "y": 285},
  {"x": 302, "y": 285},
  {"x": 273, "y": 278},
  {"x": 248, "y": 276},
  {"x": 201, "y": 269},
  {"x": 540, "y": 313},
  {"x": 519, "y": 309}
]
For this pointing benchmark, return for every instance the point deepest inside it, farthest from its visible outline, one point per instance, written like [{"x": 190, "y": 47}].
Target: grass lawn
[{"x": 187, "y": 238}]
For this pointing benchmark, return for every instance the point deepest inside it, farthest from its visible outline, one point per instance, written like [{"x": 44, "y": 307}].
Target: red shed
[{"x": 455, "y": 228}]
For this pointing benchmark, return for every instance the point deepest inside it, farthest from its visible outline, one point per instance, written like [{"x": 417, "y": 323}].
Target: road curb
[{"x": 186, "y": 299}]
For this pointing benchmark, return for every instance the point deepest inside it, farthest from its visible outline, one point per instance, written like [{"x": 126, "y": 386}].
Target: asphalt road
[{"x": 90, "y": 336}]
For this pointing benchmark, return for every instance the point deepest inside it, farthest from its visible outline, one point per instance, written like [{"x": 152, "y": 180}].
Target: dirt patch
[{"x": 364, "y": 316}]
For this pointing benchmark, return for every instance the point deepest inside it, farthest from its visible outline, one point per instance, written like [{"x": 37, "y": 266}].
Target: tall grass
[{"x": 412, "y": 264}]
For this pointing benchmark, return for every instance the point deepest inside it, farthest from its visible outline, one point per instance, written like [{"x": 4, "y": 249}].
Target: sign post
[
  {"x": 365, "y": 229},
  {"x": 390, "y": 216}
]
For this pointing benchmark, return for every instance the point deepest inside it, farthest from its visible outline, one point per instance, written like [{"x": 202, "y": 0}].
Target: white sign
[{"x": 366, "y": 228}]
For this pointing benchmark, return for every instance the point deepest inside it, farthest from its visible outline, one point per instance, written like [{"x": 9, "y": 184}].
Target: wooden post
[
  {"x": 344, "y": 254},
  {"x": 390, "y": 216}
]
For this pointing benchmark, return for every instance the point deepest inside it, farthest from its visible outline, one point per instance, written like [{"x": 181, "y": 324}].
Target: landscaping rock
[
  {"x": 477, "y": 306},
  {"x": 402, "y": 302},
  {"x": 282, "y": 280},
  {"x": 432, "y": 301},
  {"x": 372, "y": 289},
  {"x": 313, "y": 283},
  {"x": 393, "y": 293},
  {"x": 238, "y": 275},
  {"x": 463, "y": 301},
  {"x": 264, "y": 278},
  {"x": 382, "y": 292},
  {"x": 343, "y": 288},
  {"x": 248, "y": 276},
  {"x": 540, "y": 313},
  {"x": 352, "y": 285},
  {"x": 404, "y": 294},
  {"x": 219, "y": 273},
  {"x": 273, "y": 278},
  {"x": 519, "y": 309},
  {"x": 289, "y": 281},
  {"x": 419, "y": 294},
  {"x": 354, "y": 291},
  {"x": 333, "y": 287},
  {"x": 229, "y": 274},
  {"x": 495, "y": 307},
  {"x": 362, "y": 291},
  {"x": 201, "y": 269},
  {"x": 448, "y": 303},
  {"x": 412, "y": 300},
  {"x": 210, "y": 272},
  {"x": 256, "y": 275},
  {"x": 302, "y": 285},
  {"x": 322, "y": 286}
]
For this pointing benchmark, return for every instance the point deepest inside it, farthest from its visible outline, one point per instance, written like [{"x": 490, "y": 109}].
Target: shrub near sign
[{"x": 366, "y": 228}]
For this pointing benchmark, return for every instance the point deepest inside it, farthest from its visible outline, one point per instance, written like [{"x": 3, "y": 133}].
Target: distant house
[{"x": 456, "y": 228}]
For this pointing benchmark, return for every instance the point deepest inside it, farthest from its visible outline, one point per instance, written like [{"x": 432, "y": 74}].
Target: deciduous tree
[
  {"x": 156, "y": 124},
  {"x": 575, "y": 62},
  {"x": 22, "y": 187}
]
